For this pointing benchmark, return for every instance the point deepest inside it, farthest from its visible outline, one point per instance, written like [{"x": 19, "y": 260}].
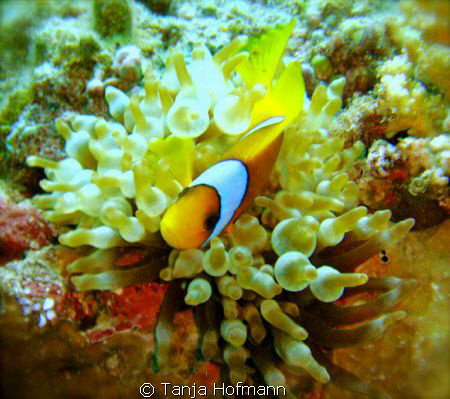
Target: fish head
[{"x": 189, "y": 222}]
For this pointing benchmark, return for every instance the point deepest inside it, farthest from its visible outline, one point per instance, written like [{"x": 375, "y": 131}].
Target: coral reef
[
  {"x": 300, "y": 291},
  {"x": 341, "y": 39},
  {"x": 112, "y": 17},
  {"x": 122, "y": 175},
  {"x": 362, "y": 120},
  {"x": 415, "y": 172},
  {"x": 355, "y": 50},
  {"x": 427, "y": 49},
  {"x": 45, "y": 92},
  {"x": 157, "y": 6},
  {"x": 429, "y": 17},
  {"x": 22, "y": 228},
  {"x": 406, "y": 174},
  {"x": 66, "y": 65},
  {"x": 406, "y": 103}
]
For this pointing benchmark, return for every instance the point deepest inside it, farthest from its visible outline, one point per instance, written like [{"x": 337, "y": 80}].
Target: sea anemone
[{"x": 268, "y": 295}]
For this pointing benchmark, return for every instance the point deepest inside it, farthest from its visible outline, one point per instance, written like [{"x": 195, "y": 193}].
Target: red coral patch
[{"x": 22, "y": 228}]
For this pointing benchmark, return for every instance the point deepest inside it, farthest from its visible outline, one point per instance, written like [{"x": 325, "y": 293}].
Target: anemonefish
[{"x": 218, "y": 196}]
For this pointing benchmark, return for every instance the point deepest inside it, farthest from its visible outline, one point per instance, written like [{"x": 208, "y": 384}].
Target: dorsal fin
[{"x": 256, "y": 140}]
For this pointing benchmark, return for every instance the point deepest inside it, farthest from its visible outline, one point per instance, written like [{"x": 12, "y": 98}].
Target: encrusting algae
[{"x": 264, "y": 293}]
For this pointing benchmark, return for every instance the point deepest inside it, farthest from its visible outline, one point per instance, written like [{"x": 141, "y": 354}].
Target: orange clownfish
[
  {"x": 222, "y": 192},
  {"x": 218, "y": 196}
]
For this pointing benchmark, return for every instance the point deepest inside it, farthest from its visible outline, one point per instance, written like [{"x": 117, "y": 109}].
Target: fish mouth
[
  {"x": 167, "y": 234},
  {"x": 170, "y": 236},
  {"x": 174, "y": 238}
]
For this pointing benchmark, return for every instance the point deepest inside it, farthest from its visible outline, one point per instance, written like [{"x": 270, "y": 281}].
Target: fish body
[{"x": 217, "y": 197}]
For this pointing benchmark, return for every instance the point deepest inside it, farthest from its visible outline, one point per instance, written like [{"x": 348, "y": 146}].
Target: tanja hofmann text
[{"x": 221, "y": 389}]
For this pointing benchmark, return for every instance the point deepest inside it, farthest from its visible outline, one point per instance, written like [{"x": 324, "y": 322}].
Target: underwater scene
[{"x": 225, "y": 198}]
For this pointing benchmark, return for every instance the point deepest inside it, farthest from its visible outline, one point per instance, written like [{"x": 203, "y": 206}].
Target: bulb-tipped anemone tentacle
[
  {"x": 295, "y": 234},
  {"x": 235, "y": 359},
  {"x": 118, "y": 101},
  {"x": 229, "y": 287},
  {"x": 266, "y": 269},
  {"x": 294, "y": 272},
  {"x": 198, "y": 291},
  {"x": 147, "y": 126},
  {"x": 77, "y": 142},
  {"x": 232, "y": 114},
  {"x": 273, "y": 314},
  {"x": 151, "y": 103},
  {"x": 215, "y": 260},
  {"x": 233, "y": 332}
]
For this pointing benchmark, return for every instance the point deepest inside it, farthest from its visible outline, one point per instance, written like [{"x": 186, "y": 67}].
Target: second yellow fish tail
[{"x": 265, "y": 55}]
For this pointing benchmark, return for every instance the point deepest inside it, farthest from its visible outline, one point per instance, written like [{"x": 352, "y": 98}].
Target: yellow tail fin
[
  {"x": 285, "y": 99},
  {"x": 265, "y": 54}
]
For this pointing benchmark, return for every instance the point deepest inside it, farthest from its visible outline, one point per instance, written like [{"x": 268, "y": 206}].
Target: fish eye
[{"x": 211, "y": 221}]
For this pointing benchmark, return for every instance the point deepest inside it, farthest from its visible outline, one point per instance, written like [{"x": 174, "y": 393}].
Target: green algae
[
  {"x": 322, "y": 66},
  {"x": 112, "y": 17}
]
